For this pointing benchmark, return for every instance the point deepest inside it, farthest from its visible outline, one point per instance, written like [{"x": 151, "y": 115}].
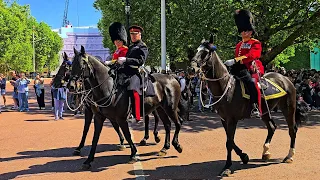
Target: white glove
[
  {"x": 121, "y": 60},
  {"x": 229, "y": 62},
  {"x": 108, "y": 62}
]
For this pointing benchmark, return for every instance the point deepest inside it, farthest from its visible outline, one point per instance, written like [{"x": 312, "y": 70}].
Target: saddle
[
  {"x": 270, "y": 88},
  {"x": 135, "y": 82}
]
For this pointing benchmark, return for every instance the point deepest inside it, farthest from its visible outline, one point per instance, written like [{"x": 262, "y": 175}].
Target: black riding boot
[{"x": 246, "y": 77}]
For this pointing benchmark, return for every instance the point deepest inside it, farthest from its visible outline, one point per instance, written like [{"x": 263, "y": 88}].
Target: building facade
[{"x": 89, "y": 37}]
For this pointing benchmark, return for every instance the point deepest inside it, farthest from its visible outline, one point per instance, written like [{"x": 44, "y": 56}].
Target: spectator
[
  {"x": 39, "y": 91},
  {"x": 15, "y": 91},
  {"x": 51, "y": 91},
  {"x": 59, "y": 95},
  {"x": 23, "y": 91},
  {"x": 3, "y": 82}
]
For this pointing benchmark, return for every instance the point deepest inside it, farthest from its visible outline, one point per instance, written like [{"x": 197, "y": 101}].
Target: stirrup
[{"x": 255, "y": 113}]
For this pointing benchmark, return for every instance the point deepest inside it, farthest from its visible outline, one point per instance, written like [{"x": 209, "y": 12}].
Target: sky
[{"x": 51, "y": 12}]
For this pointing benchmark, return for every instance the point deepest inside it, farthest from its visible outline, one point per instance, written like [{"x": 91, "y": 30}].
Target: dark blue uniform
[{"x": 136, "y": 57}]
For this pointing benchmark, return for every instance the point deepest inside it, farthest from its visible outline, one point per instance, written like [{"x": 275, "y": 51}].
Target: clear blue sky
[{"x": 51, "y": 12}]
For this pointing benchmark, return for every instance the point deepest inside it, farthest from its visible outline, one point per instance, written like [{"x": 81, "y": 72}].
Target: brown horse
[
  {"x": 112, "y": 102},
  {"x": 232, "y": 106}
]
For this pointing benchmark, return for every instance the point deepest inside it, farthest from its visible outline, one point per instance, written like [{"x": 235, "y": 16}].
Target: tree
[
  {"x": 279, "y": 24},
  {"x": 16, "y": 26}
]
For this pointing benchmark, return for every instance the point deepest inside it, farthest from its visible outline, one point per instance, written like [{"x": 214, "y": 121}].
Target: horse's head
[
  {"x": 79, "y": 68},
  {"x": 61, "y": 75},
  {"x": 202, "y": 59}
]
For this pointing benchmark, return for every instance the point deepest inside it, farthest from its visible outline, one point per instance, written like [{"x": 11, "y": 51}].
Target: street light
[
  {"x": 34, "y": 50},
  {"x": 127, "y": 11}
]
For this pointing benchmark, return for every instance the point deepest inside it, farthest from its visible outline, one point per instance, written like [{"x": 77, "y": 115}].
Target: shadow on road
[
  {"x": 204, "y": 170},
  {"x": 60, "y": 152}
]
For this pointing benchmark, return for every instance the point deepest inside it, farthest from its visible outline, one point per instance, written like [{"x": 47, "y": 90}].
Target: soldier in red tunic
[
  {"x": 118, "y": 36},
  {"x": 247, "y": 54}
]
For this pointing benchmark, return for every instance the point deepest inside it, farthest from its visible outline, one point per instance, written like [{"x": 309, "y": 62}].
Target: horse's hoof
[
  {"x": 76, "y": 152},
  {"x": 133, "y": 159},
  {"x": 162, "y": 153},
  {"x": 266, "y": 157},
  {"x": 143, "y": 142},
  {"x": 121, "y": 147},
  {"x": 85, "y": 167},
  {"x": 157, "y": 139},
  {"x": 225, "y": 173},
  {"x": 287, "y": 160},
  {"x": 244, "y": 158},
  {"x": 178, "y": 148}
]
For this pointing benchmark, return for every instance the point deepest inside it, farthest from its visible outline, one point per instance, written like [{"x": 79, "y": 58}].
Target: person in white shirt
[{"x": 182, "y": 81}]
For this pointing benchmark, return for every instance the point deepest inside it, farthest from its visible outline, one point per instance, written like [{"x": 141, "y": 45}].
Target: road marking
[{"x": 137, "y": 166}]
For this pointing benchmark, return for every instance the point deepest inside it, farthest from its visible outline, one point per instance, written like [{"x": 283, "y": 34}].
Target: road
[{"x": 34, "y": 146}]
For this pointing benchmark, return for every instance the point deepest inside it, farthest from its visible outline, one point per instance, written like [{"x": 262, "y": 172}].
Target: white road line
[{"x": 137, "y": 166}]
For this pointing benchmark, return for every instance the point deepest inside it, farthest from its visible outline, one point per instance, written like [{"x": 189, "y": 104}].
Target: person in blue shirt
[{"x": 23, "y": 91}]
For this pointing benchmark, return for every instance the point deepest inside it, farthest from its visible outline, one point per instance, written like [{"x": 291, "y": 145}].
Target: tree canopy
[
  {"x": 16, "y": 29},
  {"x": 280, "y": 25}
]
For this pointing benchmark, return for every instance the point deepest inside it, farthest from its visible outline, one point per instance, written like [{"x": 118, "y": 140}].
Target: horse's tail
[
  {"x": 183, "y": 109},
  {"x": 301, "y": 112}
]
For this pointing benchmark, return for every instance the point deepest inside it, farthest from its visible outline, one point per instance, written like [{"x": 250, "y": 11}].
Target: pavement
[{"x": 34, "y": 146}]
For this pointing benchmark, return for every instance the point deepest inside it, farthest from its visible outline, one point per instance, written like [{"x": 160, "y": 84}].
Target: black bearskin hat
[
  {"x": 118, "y": 32},
  {"x": 244, "y": 21}
]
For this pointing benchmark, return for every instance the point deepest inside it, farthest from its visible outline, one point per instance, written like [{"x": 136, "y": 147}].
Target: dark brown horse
[
  {"x": 232, "y": 107},
  {"x": 109, "y": 101},
  {"x": 63, "y": 74}
]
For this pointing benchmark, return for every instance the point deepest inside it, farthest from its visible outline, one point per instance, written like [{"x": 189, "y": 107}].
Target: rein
[
  {"x": 85, "y": 93},
  {"x": 204, "y": 78}
]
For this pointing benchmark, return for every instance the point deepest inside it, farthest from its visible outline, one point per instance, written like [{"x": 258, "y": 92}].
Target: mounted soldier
[
  {"x": 247, "y": 54},
  {"x": 136, "y": 57}
]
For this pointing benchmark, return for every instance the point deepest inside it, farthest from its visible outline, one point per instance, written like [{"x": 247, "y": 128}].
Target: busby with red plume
[
  {"x": 118, "y": 32},
  {"x": 244, "y": 21}
]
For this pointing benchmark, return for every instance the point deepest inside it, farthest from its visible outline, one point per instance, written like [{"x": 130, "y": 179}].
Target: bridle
[{"x": 204, "y": 74}]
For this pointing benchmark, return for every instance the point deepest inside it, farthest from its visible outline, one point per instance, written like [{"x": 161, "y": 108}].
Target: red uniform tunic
[
  {"x": 120, "y": 52},
  {"x": 247, "y": 53}
]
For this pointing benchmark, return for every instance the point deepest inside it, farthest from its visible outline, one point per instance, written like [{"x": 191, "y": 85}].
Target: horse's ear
[
  {"x": 211, "y": 39},
  {"x": 65, "y": 56},
  {"x": 82, "y": 51},
  {"x": 203, "y": 40},
  {"x": 75, "y": 51}
]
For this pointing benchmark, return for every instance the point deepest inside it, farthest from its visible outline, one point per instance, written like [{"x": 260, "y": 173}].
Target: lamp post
[
  {"x": 34, "y": 50},
  {"x": 127, "y": 11},
  {"x": 163, "y": 35}
]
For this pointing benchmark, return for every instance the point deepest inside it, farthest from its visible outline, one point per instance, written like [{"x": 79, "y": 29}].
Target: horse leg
[
  {"x": 243, "y": 156},
  {"x": 175, "y": 118},
  {"x": 121, "y": 146},
  {"x": 143, "y": 142},
  {"x": 230, "y": 130},
  {"x": 167, "y": 126},
  {"x": 87, "y": 122},
  {"x": 156, "y": 123},
  {"x": 266, "y": 155},
  {"x": 98, "y": 123},
  {"x": 125, "y": 129},
  {"x": 288, "y": 109}
]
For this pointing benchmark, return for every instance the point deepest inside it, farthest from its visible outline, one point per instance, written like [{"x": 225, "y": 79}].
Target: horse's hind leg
[
  {"x": 125, "y": 129},
  {"x": 156, "y": 123},
  {"x": 266, "y": 155},
  {"x": 167, "y": 126},
  {"x": 288, "y": 109},
  {"x": 175, "y": 118},
  {"x": 121, "y": 146},
  {"x": 98, "y": 123},
  {"x": 143, "y": 142},
  {"x": 87, "y": 122}
]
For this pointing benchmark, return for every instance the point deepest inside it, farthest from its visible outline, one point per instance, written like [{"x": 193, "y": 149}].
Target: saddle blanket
[{"x": 271, "y": 91}]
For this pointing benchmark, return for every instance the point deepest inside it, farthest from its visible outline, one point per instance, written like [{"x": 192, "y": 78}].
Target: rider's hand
[
  {"x": 121, "y": 60},
  {"x": 229, "y": 62}
]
